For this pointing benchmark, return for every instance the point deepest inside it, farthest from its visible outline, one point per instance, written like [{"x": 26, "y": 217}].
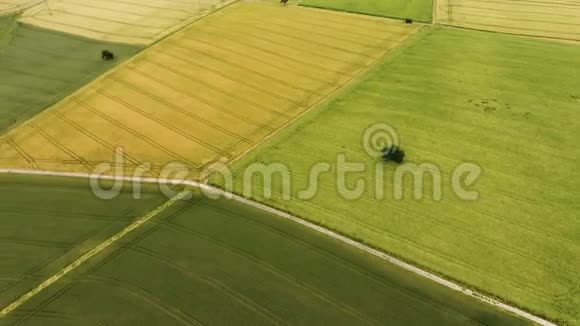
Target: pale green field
[
  {"x": 512, "y": 106},
  {"x": 419, "y": 10}
]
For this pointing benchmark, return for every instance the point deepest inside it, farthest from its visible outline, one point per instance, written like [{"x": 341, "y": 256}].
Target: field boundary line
[
  {"x": 350, "y": 12},
  {"x": 90, "y": 254},
  {"x": 18, "y": 9},
  {"x": 246, "y": 201},
  {"x": 176, "y": 28},
  {"x": 573, "y": 41},
  {"x": 434, "y": 8},
  {"x": 94, "y": 80},
  {"x": 21, "y": 152},
  {"x": 357, "y": 74}
]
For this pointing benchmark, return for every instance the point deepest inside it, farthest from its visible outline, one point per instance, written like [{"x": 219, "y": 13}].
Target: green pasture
[
  {"x": 218, "y": 262},
  {"x": 420, "y": 10},
  {"x": 46, "y": 223},
  {"x": 6, "y": 24},
  {"x": 507, "y": 104},
  {"x": 39, "y": 67}
]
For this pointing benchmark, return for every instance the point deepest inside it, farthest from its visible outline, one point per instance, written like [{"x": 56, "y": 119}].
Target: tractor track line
[
  {"x": 90, "y": 254},
  {"x": 207, "y": 189}
]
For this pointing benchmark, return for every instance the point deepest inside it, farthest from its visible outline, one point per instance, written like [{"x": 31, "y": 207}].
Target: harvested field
[
  {"x": 558, "y": 19},
  {"x": 128, "y": 21},
  {"x": 208, "y": 262},
  {"x": 207, "y": 93},
  {"x": 9, "y": 7},
  {"x": 508, "y": 104},
  {"x": 39, "y": 67}
]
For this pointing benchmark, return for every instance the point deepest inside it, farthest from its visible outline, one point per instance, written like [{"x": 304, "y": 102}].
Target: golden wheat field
[
  {"x": 210, "y": 92},
  {"x": 558, "y": 19},
  {"x": 127, "y": 21},
  {"x": 554, "y": 19},
  {"x": 8, "y": 7}
]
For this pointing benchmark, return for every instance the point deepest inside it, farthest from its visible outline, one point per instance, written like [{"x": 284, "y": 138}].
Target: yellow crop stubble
[{"x": 211, "y": 91}]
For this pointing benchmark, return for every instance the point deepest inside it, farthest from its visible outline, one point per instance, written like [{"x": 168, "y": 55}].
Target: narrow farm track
[
  {"x": 31, "y": 230},
  {"x": 208, "y": 93},
  {"x": 215, "y": 191},
  {"x": 26, "y": 275},
  {"x": 495, "y": 91},
  {"x": 551, "y": 19},
  {"x": 219, "y": 89},
  {"x": 87, "y": 256}
]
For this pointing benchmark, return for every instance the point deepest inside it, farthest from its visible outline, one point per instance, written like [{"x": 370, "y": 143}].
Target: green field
[
  {"x": 210, "y": 262},
  {"x": 39, "y": 67},
  {"x": 510, "y": 105},
  {"x": 507, "y": 104},
  {"x": 45, "y": 223},
  {"x": 419, "y": 10},
  {"x": 6, "y": 23}
]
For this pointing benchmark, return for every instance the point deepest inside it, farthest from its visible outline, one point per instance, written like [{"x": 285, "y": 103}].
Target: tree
[
  {"x": 393, "y": 153},
  {"x": 107, "y": 55}
]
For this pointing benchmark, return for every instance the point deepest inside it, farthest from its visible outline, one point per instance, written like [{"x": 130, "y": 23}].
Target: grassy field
[
  {"x": 39, "y": 67},
  {"x": 208, "y": 92},
  {"x": 419, "y": 10},
  {"x": 507, "y": 103},
  {"x": 219, "y": 262},
  {"x": 45, "y": 223},
  {"x": 130, "y": 21},
  {"x": 6, "y": 24},
  {"x": 555, "y": 19}
]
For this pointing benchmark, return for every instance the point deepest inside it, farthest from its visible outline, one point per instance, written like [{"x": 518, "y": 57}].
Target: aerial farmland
[{"x": 300, "y": 162}]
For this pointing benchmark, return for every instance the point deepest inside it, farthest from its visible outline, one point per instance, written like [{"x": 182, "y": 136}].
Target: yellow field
[
  {"x": 207, "y": 93},
  {"x": 11, "y": 6},
  {"x": 127, "y": 21},
  {"x": 555, "y": 19}
]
